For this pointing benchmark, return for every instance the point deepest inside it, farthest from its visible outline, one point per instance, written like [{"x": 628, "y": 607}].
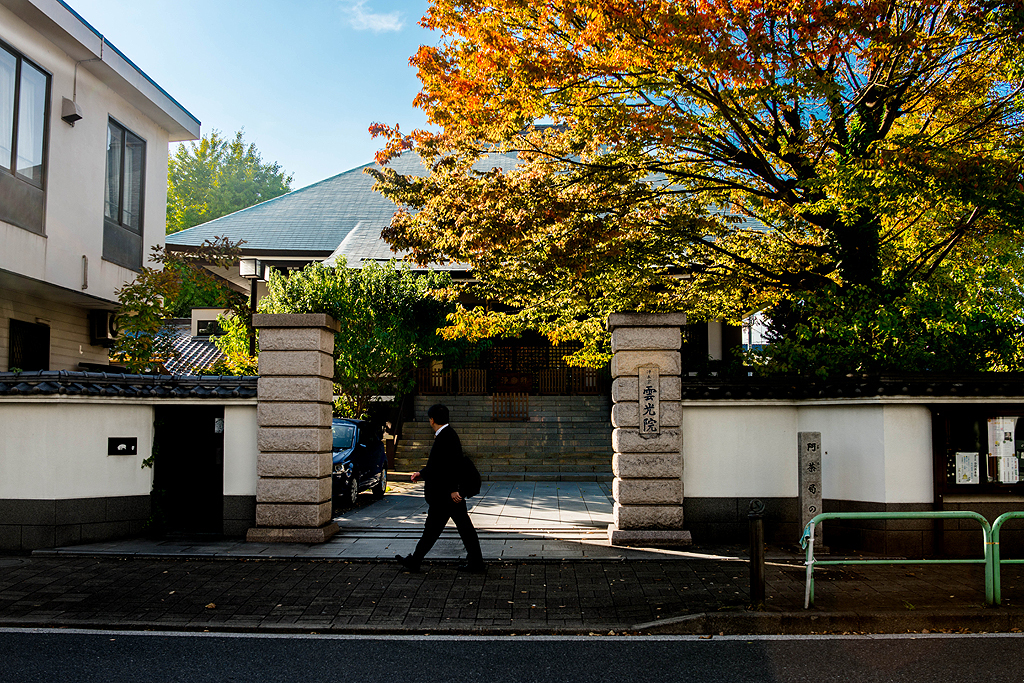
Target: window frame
[
  {"x": 11, "y": 169},
  {"x": 125, "y": 132}
]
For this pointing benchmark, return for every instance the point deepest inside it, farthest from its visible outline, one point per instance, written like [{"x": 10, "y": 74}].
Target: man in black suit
[{"x": 441, "y": 489}]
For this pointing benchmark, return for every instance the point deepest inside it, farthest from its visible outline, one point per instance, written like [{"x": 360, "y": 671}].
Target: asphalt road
[{"x": 110, "y": 657}]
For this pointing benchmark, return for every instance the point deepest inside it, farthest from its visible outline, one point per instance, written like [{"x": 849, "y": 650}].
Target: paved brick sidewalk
[
  {"x": 539, "y": 597},
  {"x": 322, "y": 595}
]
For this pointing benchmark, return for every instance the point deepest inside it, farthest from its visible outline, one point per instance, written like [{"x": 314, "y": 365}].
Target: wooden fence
[{"x": 511, "y": 408}]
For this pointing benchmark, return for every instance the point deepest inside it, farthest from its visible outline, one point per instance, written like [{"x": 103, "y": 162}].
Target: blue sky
[{"x": 305, "y": 78}]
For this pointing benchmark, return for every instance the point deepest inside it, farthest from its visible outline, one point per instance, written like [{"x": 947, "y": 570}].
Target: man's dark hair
[{"x": 438, "y": 413}]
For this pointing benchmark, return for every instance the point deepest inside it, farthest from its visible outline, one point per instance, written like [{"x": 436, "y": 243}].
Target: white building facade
[{"x": 83, "y": 183}]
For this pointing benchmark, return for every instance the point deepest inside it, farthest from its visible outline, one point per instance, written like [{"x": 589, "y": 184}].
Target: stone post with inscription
[
  {"x": 296, "y": 366},
  {"x": 647, "y": 435},
  {"x": 809, "y": 455}
]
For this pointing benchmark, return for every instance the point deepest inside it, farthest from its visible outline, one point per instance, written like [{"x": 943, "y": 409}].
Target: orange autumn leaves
[{"x": 833, "y": 130}]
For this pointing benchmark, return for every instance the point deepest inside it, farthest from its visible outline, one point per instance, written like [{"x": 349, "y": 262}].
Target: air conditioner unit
[{"x": 102, "y": 328}]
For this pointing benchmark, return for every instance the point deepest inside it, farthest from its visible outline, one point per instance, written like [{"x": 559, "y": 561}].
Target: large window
[
  {"x": 122, "y": 196},
  {"x": 126, "y": 155},
  {"x": 24, "y": 103}
]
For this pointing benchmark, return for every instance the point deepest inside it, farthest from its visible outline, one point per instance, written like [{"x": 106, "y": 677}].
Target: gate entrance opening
[{"x": 188, "y": 470}]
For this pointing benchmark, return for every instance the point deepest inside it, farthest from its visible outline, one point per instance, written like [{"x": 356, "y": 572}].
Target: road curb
[
  {"x": 700, "y": 624},
  {"x": 294, "y": 629},
  {"x": 804, "y": 623}
]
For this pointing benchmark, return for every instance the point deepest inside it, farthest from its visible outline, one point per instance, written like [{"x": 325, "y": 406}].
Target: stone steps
[
  {"x": 567, "y": 438},
  {"x": 489, "y": 464},
  {"x": 526, "y": 476}
]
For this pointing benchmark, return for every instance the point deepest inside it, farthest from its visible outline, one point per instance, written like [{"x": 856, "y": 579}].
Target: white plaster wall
[
  {"x": 739, "y": 451},
  {"x": 75, "y": 170},
  {"x": 240, "y": 450},
  {"x": 872, "y": 453},
  {"x": 58, "y": 450},
  {"x": 853, "y": 445},
  {"x": 908, "y": 455}
]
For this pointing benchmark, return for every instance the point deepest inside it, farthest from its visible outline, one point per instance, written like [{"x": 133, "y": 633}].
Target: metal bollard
[{"x": 755, "y": 516}]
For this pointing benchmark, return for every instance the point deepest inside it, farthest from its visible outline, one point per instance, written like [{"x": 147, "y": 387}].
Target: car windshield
[{"x": 343, "y": 435}]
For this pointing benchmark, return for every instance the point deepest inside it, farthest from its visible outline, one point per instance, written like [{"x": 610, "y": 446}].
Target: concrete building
[{"x": 83, "y": 189}]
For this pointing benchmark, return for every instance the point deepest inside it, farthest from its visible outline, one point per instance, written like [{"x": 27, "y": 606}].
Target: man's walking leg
[
  {"x": 437, "y": 517},
  {"x": 470, "y": 539}
]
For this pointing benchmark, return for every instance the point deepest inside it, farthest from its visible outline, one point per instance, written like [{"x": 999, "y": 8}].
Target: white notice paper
[
  {"x": 1000, "y": 436},
  {"x": 967, "y": 468},
  {"x": 1009, "y": 469}
]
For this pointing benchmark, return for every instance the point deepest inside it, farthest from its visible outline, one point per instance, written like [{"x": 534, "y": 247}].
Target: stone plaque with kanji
[{"x": 650, "y": 400}]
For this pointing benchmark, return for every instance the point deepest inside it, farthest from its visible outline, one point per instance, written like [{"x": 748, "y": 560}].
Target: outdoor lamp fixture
[{"x": 252, "y": 270}]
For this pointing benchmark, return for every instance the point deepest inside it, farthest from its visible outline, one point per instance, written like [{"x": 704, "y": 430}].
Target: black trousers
[{"x": 438, "y": 515}]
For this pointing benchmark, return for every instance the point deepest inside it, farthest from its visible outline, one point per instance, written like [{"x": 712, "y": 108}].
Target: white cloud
[{"x": 363, "y": 19}]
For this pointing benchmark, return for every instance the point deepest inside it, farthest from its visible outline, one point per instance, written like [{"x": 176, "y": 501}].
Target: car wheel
[
  {"x": 381, "y": 486},
  {"x": 353, "y": 493}
]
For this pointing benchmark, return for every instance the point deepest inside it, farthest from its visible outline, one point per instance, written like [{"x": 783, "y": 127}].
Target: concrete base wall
[
  {"x": 239, "y": 514},
  {"x": 724, "y": 520},
  {"x": 27, "y": 524},
  {"x": 961, "y": 538},
  {"x": 896, "y": 538}
]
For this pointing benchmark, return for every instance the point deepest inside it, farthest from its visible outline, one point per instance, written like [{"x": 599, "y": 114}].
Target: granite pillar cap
[
  {"x": 264, "y": 320},
  {"x": 627, "y": 319}
]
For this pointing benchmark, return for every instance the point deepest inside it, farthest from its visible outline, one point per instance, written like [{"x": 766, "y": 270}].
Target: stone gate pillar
[
  {"x": 647, "y": 436},
  {"x": 296, "y": 367}
]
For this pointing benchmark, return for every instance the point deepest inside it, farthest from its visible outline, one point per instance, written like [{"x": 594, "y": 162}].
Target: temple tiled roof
[
  {"x": 194, "y": 354},
  {"x": 316, "y": 219},
  {"x": 343, "y": 216},
  {"x": 72, "y": 383},
  {"x": 924, "y": 386}
]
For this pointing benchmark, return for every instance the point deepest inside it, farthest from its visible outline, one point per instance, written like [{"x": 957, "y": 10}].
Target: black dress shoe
[
  {"x": 473, "y": 568},
  {"x": 409, "y": 562}
]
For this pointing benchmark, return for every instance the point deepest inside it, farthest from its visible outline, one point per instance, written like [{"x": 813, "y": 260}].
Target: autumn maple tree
[{"x": 852, "y": 168}]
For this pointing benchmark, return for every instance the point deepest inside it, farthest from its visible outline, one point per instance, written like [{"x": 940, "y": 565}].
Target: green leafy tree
[
  {"x": 233, "y": 344},
  {"x": 207, "y": 180},
  {"x": 143, "y": 343},
  {"x": 389, "y": 320},
  {"x": 217, "y": 176},
  {"x": 853, "y": 168}
]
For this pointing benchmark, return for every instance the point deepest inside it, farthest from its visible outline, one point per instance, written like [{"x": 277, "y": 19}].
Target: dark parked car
[{"x": 359, "y": 460}]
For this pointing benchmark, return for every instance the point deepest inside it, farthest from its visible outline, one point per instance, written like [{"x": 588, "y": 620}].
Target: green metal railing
[
  {"x": 807, "y": 542},
  {"x": 997, "y": 561}
]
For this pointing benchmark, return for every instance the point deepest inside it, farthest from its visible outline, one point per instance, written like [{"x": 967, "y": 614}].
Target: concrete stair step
[
  {"x": 568, "y": 438},
  {"x": 546, "y": 476},
  {"x": 523, "y": 476}
]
